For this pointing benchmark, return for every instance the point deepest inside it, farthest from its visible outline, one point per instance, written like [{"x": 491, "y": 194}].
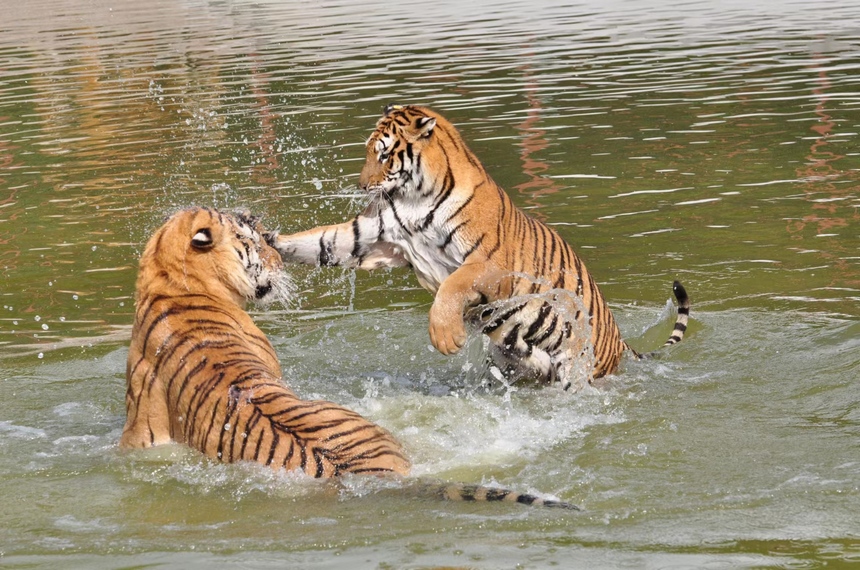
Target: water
[{"x": 712, "y": 142}]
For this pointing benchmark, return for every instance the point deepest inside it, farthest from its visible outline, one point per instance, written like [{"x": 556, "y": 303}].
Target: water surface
[{"x": 712, "y": 142}]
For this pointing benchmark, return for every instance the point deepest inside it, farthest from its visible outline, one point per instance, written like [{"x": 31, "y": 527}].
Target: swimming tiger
[
  {"x": 435, "y": 208},
  {"x": 201, "y": 372}
]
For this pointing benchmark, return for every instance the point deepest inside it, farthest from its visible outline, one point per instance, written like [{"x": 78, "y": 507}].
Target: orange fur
[
  {"x": 435, "y": 208},
  {"x": 201, "y": 372}
]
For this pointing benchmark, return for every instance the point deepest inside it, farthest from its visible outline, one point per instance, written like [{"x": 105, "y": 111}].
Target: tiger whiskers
[{"x": 282, "y": 289}]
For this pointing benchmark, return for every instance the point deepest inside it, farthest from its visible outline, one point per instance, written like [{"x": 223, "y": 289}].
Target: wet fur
[
  {"x": 201, "y": 372},
  {"x": 436, "y": 209}
]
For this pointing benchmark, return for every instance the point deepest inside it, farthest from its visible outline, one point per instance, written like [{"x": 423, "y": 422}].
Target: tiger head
[
  {"x": 220, "y": 254},
  {"x": 404, "y": 154}
]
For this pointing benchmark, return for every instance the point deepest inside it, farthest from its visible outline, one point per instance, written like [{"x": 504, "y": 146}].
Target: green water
[{"x": 717, "y": 144}]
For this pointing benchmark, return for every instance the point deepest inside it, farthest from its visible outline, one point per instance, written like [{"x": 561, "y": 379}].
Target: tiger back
[
  {"x": 435, "y": 208},
  {"x": 201, "y": 372}
]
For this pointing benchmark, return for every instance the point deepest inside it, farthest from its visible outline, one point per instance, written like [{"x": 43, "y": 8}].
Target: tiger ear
[
  {"x": 424, "y": 126},
  {"x": 202, "y": 240},
  {"x": 391, "y": 107}
]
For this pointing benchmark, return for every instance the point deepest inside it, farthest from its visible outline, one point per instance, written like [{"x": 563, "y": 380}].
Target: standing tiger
[
  {"x": 200, "y": 371},
  {"x": 435, "y": 208}
]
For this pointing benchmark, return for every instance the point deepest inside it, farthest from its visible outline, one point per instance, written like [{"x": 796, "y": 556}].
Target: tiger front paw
[
  {"x": 447, "y": 329},
  {"x": 281, "y": 244}
]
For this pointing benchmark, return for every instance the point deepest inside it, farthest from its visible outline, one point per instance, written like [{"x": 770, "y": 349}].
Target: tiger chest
[
  {"x": 427, "y": 247},
  {"x": 431, "y": 263}
]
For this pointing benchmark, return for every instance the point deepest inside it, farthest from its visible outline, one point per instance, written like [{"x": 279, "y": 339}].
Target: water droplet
[
  {"x": 41, "y": 355},
  {"x": 227, "y": 426},
  {"x": 95, "y": 247},
  {"x": 44, "y": 327},
  {"x": 38, "y": 318},
  {"x": 75, "y": 297}
]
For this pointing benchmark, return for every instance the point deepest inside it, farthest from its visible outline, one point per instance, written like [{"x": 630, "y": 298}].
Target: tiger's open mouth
[{"x": 263, "y": 290}]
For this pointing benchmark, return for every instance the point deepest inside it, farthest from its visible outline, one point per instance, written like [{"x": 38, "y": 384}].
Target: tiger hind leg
[{"x": 536, "y": 366}]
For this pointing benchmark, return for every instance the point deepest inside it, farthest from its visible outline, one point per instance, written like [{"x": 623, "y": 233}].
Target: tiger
[
  {"x": 433, "y": 207},
  {"x": 200, "y": 372}
]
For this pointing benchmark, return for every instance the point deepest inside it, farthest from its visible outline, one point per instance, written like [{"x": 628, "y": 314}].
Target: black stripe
[
  {"x": 537, "y": 341},
  {"x": 536, "y": 325},
  {"x": 474, "y": 247},
  {"x": 273, "y": 447},
  {"x": 501, "y": 319},
  {"x": 247, "y": 428},
  {"x": 497, "y": 494},
  {"x": 510, "y": 340},
  {"x": 292, "y": 450},
  {"x": 303, "y": 463},
  {"x": 259, "y": 445},
  {"x": 577, "y": 265},
  {"x": 318, "y": 457},
  {"x": 450, "y": 235},
  {"x": 564, "y": 263},
  {"x": 526, "y": 499},
  {"x": 467, "y": 492},
  {"x": 210, "y": 426},
  {"x": 201, "y": 394},
  {"x": 356, "y": 235},
  {"x": 460, "y": 208},
  {"x": 325, "y": 255},
  {"x": 552, "y": 248},
  {"x": 396, "y": 215},
  {"x": 372, "y": 470},
  {"x": 566, "y": 330},
  {"x": 196, "y": 369}
]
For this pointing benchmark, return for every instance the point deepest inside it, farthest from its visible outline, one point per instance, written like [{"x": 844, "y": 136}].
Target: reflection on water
[{"x": 714, "y": 142}]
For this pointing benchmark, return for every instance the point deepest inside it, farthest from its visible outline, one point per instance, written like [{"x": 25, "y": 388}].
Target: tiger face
[
  {"x": 203, "y": 251},
  {"x": 394, "y": 149}
]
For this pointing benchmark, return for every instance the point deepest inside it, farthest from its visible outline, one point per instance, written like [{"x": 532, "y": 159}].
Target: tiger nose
[{"x": 364, "y": 178}]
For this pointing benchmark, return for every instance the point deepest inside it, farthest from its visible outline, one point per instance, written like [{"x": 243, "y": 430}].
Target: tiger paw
[{"x": 447, "y": 329}]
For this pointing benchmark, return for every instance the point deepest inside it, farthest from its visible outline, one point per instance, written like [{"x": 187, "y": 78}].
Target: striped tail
[
  {"x": 680, "y": 322},
  {"x": 464, "y": 492},
  {"x": 683, "y": 314}
]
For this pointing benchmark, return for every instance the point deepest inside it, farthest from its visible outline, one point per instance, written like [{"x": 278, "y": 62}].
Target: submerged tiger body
[
  {"x": 436, "y": 209},
  {"x": 201, "y": 372}
]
